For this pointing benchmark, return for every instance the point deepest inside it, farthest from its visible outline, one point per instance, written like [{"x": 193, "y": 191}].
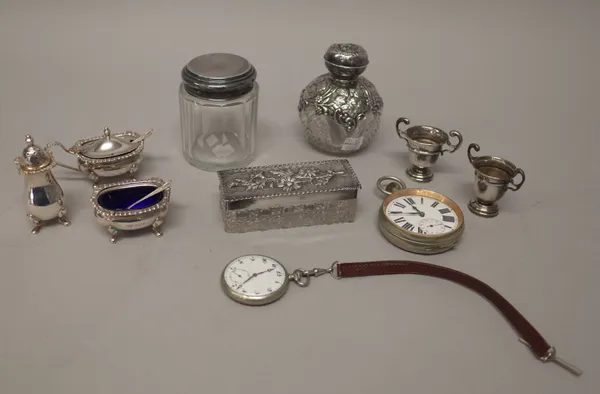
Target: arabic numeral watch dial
[
  {"x": 255, "y": 280},
  {"x": 418, "y": 220}
]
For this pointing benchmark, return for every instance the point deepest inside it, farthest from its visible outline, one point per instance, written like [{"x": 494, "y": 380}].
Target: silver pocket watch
[{"x": 259, "y": 280}]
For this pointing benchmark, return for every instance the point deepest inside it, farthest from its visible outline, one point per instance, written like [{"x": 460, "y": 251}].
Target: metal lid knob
[
  {"x": 109, "y": 146},
  {"x": 34, "y": 155},
  {"x": 34, "y": 158},
  {"x": 346, "y": 61}
]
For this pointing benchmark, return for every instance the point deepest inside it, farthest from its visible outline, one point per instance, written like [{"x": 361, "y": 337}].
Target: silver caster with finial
[{"x": 44, "y": 196}]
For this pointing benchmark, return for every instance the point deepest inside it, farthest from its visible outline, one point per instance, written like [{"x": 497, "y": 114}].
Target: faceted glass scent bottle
[
  {"x": 218, "y": 101},
  {"x": 341, "y": 110}
]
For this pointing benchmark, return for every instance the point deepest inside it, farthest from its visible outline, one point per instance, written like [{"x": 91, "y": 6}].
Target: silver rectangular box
[{"x": 288, "y": 195}]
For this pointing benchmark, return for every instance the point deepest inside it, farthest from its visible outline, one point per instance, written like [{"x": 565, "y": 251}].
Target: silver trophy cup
[
  {"x": 425, "y": 145},
  {"x": 493, "y": 177}
]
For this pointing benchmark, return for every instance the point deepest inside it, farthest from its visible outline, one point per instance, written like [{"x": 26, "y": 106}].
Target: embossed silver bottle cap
[
  {"x": 346, "y": 61},
  {"x": 218, "y": 75},
  {"x": 109, "y": 146}
]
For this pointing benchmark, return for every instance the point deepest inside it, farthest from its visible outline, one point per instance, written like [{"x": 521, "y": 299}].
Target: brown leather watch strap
[{"x": 528, "y": 333}]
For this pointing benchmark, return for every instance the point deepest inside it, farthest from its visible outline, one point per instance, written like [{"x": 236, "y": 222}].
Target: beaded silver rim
[{"x": 107, "y": 160}]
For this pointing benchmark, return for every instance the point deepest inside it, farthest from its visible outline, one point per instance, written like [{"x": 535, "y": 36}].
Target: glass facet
[{"x": 218, "y": 134}]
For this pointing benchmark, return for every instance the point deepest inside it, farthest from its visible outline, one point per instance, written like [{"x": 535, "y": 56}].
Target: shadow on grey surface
[
  {"x": 152, "y": 165},
  {"x": 466, "y": 192},
  {"x": 64, "y": 174},
  {"x": 264, "y": 137},
  {"x": 446, "y": 168},
  {"x": 175, "y": 217},
  {"x": 400, "y": 163}
]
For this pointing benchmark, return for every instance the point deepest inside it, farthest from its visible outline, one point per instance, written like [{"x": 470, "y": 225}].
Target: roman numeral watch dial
[{"x": 418, "y": 220}]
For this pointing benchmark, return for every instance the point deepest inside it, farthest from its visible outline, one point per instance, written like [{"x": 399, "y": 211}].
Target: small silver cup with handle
[
  {"x": 425, "y": 145},
  {"x": 493, "y": 177}
]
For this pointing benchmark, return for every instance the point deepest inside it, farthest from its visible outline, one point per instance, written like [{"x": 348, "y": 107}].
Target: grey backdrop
[{"x": 147, "y": 315}]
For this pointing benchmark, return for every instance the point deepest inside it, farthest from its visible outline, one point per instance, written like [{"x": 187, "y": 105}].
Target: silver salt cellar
[
  {"x": 131, "y": 205},
  {"x": 288, "y": 195},
  {"x": 44, "y": 196},
  {"x": 341, "y": 110}
]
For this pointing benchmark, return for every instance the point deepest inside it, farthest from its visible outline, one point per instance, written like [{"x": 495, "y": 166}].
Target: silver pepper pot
[
  {"x": 44, "y": 196},
  {"x": 341, "y": 110}
]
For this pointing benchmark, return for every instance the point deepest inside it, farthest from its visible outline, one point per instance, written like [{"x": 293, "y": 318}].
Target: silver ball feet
[
  {"x": 156, "y": 228},
  {"x": 64, "y": 221},
  {"x": 113, "y": 234},
  {"x": 62, "y": 217},
  {"x": 37, "y": 224}
]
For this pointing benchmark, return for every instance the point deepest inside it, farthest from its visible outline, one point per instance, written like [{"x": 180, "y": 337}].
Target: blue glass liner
[{"x": 120, "y": 199}]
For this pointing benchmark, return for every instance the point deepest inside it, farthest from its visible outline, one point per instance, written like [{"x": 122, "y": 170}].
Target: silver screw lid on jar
[
  {"x": 346, "y": 61},
  {"x": 218, "y": 76}
]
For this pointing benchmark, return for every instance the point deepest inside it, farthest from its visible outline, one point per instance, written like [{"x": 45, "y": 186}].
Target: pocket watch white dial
[
  {"x": 419, "y": 220},
  {"x": 255, "y": 280},
  {"x": 432, "y": 226},
  {"x": 422, "y": 214}
]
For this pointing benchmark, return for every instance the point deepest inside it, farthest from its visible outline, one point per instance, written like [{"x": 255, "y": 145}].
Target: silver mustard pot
[
  {"x": 109, "y": 155},
  {"x": 44, "y": 196}
]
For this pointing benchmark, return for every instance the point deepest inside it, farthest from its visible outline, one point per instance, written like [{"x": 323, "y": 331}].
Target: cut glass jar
[{"x": 218, "y": 100}]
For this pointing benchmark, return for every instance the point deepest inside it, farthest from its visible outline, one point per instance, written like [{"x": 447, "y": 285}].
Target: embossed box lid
[{"x": 283, "y": 180}]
